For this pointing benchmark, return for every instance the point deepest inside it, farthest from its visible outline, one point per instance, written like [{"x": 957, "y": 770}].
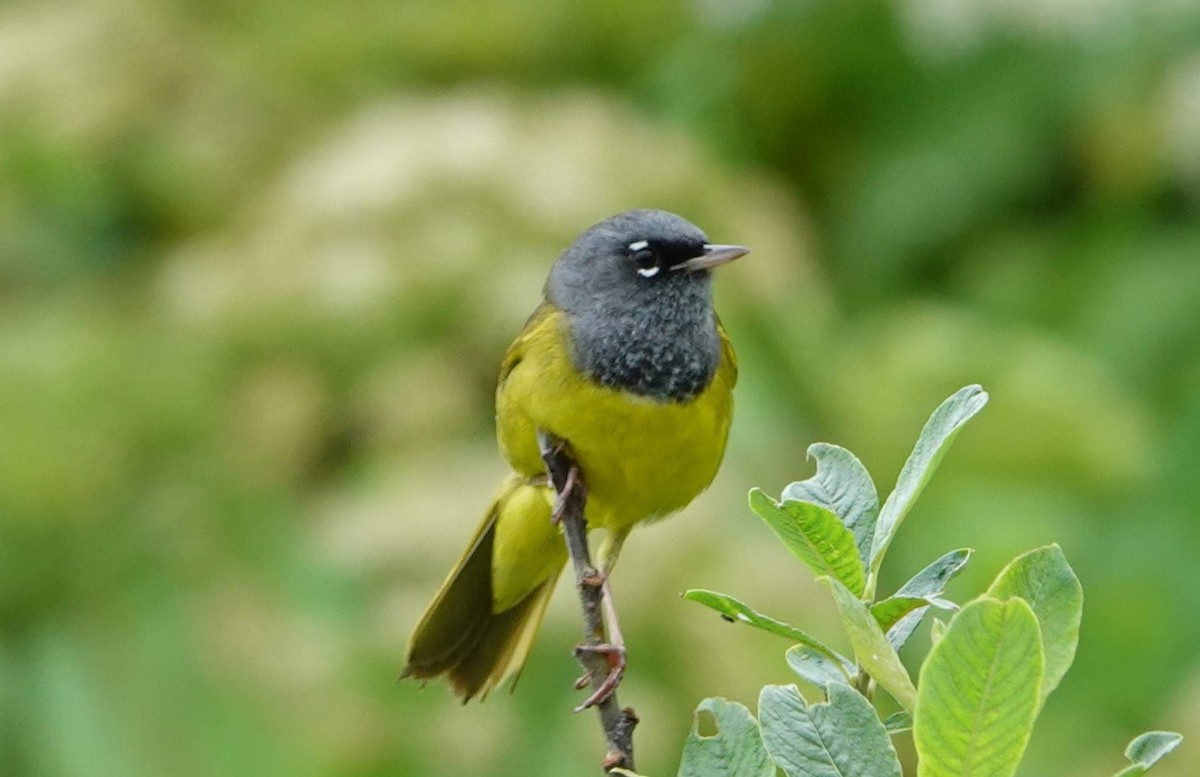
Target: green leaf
[
  {"x": 815, "y": 535},
  {"x": 937, "y": 630},
  {"x": 1146, "y": 750},
  {"x": 940, "y": 430},
  {"x": 1044, "y": 579},
  {"x": 738, "y": 611},
  {"x": 736, "y": 750},
  {"x": 979, "y": 691},
  {"x": 838, "y": 738},
  {"x": 817, "y": 668},
  {"x": 929, "y": 582},
  {"x": 843, "y": 486},
  {"x": 898, "y": 722},
  {"x": 890, "y": 611},
  {"x": 871, "y": 648}
]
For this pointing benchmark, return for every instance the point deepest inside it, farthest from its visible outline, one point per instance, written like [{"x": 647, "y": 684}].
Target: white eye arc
[{"x": 645, "y": 259}]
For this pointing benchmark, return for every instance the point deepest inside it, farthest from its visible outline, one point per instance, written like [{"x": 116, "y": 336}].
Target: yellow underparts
[{"x": 641, "y": 458}]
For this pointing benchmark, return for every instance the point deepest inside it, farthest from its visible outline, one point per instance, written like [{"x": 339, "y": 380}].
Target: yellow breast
[{"x": 641, "y": 458}]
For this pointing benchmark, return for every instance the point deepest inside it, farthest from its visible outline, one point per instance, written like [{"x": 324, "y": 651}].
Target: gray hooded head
[{"x": 637, "y": 293}]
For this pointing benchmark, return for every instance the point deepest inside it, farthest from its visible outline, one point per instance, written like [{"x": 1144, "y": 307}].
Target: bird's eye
[{"x": 645, "y": 259}]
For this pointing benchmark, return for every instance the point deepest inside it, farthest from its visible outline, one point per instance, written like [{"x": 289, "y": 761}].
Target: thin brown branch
[{"x": 595, "y": 653}]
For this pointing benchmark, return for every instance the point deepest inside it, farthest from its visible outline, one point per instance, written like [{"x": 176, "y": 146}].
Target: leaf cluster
[{"x": 978, "y": 691}]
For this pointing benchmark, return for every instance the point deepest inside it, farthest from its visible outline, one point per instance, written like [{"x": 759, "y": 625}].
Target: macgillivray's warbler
[{"x": 625, "y": 363}]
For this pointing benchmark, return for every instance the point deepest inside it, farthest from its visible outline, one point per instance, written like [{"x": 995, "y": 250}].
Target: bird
[{"x": 624, "y": 363}]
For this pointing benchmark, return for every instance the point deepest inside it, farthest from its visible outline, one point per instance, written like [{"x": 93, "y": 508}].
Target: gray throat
[{"x": 661, "y": 344}]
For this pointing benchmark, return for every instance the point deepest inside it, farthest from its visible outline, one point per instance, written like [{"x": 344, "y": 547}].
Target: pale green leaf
[
  {"x": 1044, "y": 579},
  {"x": 939, "y": 431},
  {"x": 898, "y": 722},
  {"x": 818, "y": 668},
  {"x": 735, "y": 750},
  {"x": 979, "y": 691},
  {"x": 843, "y": 486},
  {"x": 838, "y": 738},
  {"x": 1146, "y": 750},
  {"x": 737, "y": 611},
  {"x": 815, "y": 535},
  {"x": 929, "y": 582},
  {"x": 871, "y": 648},
  {"x": 890, "y": 611}
]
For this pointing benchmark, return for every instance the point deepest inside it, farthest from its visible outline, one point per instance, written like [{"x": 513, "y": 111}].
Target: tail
[{"x": 480, "y": 627}]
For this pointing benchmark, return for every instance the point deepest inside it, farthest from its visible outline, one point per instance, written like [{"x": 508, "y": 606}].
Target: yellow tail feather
[{"x": 480, "y": 627}]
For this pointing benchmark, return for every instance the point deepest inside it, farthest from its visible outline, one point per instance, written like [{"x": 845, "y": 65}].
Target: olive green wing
[
  {"x": 727, "y": 354},
  {"x": 538, "y": 326}
]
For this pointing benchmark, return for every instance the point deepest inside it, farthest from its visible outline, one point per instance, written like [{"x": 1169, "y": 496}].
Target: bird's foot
[
  {"x": 613, "y": 659},
  {"x": 574, "y": 481},
  {"x": 565, "y": 475}
]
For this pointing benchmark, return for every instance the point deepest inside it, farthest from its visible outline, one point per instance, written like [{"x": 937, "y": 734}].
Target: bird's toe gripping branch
[
  {"x": 572, "y": 484},
  {"x": 607, "y": 657},
  {"x": 602, "y": 654},
  {"x": 564, "y": 473}
]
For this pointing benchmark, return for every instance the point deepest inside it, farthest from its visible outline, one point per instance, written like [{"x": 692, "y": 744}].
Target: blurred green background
[{"x": 259, "y": 263}]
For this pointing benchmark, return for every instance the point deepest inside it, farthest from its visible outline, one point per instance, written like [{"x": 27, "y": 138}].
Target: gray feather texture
[{"x": 655, "y": 336}]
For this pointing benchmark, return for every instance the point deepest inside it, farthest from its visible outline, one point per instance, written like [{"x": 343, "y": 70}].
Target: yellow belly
[{"x": 641, "y": 458}]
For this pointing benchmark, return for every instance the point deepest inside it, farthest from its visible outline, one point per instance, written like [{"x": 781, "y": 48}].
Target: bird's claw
[
  {"x": 614, "y": 658},
  {"x": 574, "y": 481},
  {"x": 567, "y": 485}
]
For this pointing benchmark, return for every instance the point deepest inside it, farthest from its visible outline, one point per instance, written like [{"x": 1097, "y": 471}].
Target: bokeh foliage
[{"x": 258, "y": 264}]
